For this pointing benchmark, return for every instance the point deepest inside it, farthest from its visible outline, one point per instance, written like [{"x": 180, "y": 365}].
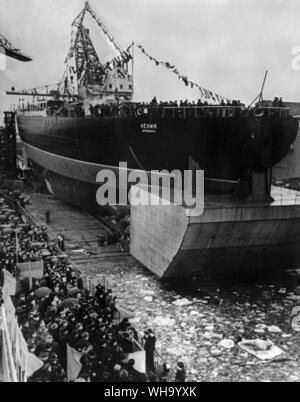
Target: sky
[{"x": 224, "y": 45}]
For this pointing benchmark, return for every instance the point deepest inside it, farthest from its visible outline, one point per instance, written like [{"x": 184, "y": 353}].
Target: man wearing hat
[{"x": 149, "y": 346}]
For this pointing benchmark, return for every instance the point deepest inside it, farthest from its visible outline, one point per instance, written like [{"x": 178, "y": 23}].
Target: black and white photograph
[{"x": 149, "y": 194}]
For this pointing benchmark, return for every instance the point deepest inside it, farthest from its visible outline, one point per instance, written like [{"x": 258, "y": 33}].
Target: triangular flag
[
  {"x": 73, "y": 363},
  {"x": 33, "y": 364}
]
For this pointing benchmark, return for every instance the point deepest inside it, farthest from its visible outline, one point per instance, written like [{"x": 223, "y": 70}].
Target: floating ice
[
  {"x": 164, "y": 322},
  {"x": 263, "y": 350},
  {"x": 274, "y": 329},
  {"x": 226, "y": 343},
  {"x": 182, "y": 302}
]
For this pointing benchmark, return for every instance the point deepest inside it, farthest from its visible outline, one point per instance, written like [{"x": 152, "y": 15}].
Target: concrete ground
[{"x": 79, "y": 229}]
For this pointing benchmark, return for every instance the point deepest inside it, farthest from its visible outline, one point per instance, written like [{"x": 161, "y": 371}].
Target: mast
[
  {"x": 132, "y": 68},
  {"x": 260, "y": 95},
  {"x": 262, "y": 88}
]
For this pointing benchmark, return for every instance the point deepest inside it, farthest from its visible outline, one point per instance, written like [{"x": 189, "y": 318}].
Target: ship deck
[{"x": 282, "y": 197}]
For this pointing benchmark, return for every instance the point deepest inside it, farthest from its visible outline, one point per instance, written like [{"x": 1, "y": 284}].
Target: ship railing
[
  {"x": 195, "y": 111},
  {"x": 137, "y": 346},
  {"x": 91, "y": 282},
  {"x": 160, "y": 361}
]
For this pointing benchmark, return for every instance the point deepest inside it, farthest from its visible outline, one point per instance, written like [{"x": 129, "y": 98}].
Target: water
[{"x": 214, "y": 309}]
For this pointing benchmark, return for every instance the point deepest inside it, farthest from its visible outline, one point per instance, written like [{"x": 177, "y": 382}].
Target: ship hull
[
  {"x": 68, "y": 154},
  {"x": 228, "y": 238},
  {"x": 225, "y": 148},
  {"x": 73, "y": 181}
]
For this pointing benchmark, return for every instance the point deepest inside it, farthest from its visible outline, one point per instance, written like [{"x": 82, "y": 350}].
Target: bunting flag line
[
  {"x": 205, "y": 93},
  {"x": 120, "y": 60}
]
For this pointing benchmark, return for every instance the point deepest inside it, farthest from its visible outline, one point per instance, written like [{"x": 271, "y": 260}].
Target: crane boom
[
  {"x": 33, "y": 94},
  {"x": 11, "y": 51},
  {"x": 105, "y": 31}
]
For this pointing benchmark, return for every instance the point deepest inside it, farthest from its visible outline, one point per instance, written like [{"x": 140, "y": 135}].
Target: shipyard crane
[
  {"x": 85, "y": 75},
  {"x": 11, "y": 51},
  {"x": 77, "y": 24},
  {"x": 83, "y": 66}
]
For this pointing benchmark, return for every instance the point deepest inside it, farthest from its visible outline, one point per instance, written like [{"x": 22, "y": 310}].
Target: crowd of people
[
  {"x": 187, "y": 103},
  {"x": 57, "y": 311},
  {"x": 202, "y": 106},
  {"x": 278, "y": 102},
  {"x": 122, "y": 109}
]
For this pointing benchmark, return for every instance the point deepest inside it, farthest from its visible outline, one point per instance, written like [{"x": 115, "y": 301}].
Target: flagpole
[
  {"x": 262, "y": 88},
  {"x": 30, "y": 276},
  {"x": 132, "y": 66},
  {"x": 260, "y": 95},
  {"x": 17, "y": 251}
]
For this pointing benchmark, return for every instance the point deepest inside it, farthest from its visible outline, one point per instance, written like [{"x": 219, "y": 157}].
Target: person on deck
[{"x": 154, "y": 101}]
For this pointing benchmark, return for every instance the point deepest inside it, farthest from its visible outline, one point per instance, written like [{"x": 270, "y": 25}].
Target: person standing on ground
[
  {"x": 180, "y": 374},
  {"x": 149, "y": 347},
  {"x": 163, "y": 372},
  {"x": 61, "y": 242}
]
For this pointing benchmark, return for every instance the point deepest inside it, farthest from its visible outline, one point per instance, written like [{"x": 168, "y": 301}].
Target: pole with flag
[
  {"x": 30, "y": 276},
  {"x": 18, "y": 248}
]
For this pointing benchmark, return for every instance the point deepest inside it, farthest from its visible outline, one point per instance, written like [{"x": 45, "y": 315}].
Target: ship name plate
[{"x": 149, "y": 127}]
